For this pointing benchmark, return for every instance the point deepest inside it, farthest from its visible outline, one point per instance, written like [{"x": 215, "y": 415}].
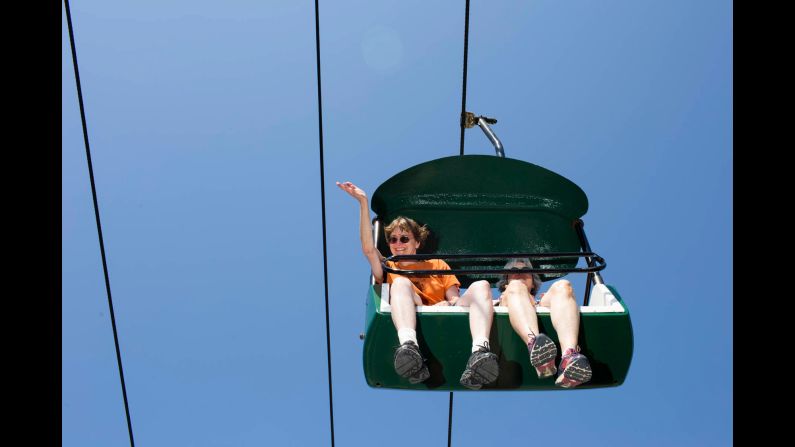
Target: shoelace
[
  {"x": 532, "y": 337},
  {"x": 412, "y": 346},
  {"x": 569, "y": 353}
]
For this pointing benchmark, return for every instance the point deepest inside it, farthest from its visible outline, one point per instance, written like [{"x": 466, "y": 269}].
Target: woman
[
  {"x": 518, "y": 294},
  {"x": 405, "y": 237}
]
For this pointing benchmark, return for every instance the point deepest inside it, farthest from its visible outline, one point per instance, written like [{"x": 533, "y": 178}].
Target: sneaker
[
  {"x": 482, "y": 368},
  {"x": 420, "y": 376},
  {"x": 574, "y": 369},
  {"x": 542, "y": 355},
  {"x": 408, "y": 360}
]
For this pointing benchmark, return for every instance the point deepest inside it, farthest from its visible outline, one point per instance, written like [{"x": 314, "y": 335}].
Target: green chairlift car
[{"x": 483, "y": 210}]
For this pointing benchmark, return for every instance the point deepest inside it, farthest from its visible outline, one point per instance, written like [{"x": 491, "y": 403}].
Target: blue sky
[{"x": 202, "y": 119}]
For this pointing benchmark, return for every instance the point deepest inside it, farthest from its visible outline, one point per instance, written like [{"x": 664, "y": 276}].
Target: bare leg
[
  {"x": 482, "y": 367},
  {"x": 481, "y": 309},
  {"x": 521, "y": 310},
  {"x": 524, "y": 320},
  {"x": 408, "y": 360},
  {"x": 404, "y": 301},
  {"x": 574, "y": 367},
  {"x": 564, "y": 313}
]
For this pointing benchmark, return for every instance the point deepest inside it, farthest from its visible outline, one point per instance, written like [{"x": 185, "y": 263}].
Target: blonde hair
[
  {"x": 420, "y": 232},
  {"x": 503, "y": 282}
]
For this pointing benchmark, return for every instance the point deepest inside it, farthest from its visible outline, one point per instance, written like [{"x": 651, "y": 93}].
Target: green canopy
[{"x": 485, "y": 204}]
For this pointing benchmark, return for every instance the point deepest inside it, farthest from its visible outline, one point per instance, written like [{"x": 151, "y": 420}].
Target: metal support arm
[{"x": 483, "y": 122}]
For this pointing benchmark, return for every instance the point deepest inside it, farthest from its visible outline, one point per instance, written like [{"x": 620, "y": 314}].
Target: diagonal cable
[
  {"x": 450, "y": 422},
  {"x": 323, "y": 212},
  {"x": 463, "y": 110},
  {"x": 99, "y": 223},
  {"x": 464, "y": 82}
]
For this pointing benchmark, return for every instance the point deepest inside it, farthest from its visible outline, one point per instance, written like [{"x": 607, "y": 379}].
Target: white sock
[
  {"x": 406, "y": 334},
  {"x": 480, "y": 342}
]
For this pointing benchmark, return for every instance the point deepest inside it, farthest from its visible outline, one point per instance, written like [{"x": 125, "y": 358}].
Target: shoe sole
[
  {"x": 546, "y": 370},
  {"x": 469, "y": 380},
  {"x": 407, "y": 362},
  {"x": 577, "y": 373},
  {"x": 483, "y": 372},
  {"x": 542, "y": 357},
  {"x": 420, "y": 376}
]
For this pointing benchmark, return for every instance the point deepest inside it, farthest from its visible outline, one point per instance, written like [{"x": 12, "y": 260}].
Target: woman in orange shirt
[{"x": 405, "y": 236}]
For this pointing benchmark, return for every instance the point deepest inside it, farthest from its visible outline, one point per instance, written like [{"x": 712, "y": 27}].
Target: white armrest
[{"x": 602, "y": 296}]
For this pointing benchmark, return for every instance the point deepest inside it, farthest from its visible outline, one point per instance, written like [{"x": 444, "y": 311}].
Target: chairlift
[{"x": 482, "y": 211}]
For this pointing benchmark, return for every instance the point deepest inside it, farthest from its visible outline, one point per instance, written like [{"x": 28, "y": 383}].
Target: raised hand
[
  {"x": 353, "y": 190},
  {"x": 365, "y": 229}
]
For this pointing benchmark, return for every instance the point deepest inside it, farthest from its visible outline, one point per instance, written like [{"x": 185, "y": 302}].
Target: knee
[
  {"x": 561, "y": 285},
  {"x": 561, "y": 289},
  {"x": 401, "y": 282},
  {"x": 402, "y": 288},
  {"x": 515, "y": 288},
  {"x": 482, "y": 289},
  {"x": 516, "y": 291},
  {"x": 481, "y": 285}
]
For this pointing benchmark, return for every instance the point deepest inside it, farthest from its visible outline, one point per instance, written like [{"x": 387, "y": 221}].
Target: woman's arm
[
  {"x": 451, "y": 296},
  {"x": 365, "y": 230}
]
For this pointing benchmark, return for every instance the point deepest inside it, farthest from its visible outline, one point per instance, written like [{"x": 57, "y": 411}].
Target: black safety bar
[{"x": 588, "y": 255}]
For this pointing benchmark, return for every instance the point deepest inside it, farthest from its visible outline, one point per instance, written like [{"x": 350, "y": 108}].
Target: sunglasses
[{"x": 403, "y": 239}]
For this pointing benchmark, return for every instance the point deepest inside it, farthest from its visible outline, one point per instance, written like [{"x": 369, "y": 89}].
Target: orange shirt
[{"x": 430, "y": 288}]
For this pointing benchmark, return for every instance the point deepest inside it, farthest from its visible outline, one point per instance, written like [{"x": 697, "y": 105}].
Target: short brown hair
[{"x": 420, "y": 232}]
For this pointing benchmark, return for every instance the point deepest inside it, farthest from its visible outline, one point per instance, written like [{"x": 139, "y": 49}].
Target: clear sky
[{"x": 203, "y": 123}]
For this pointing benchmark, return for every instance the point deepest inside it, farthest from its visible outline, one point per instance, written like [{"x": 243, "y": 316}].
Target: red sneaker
[{"x": 574, "y": 369}]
